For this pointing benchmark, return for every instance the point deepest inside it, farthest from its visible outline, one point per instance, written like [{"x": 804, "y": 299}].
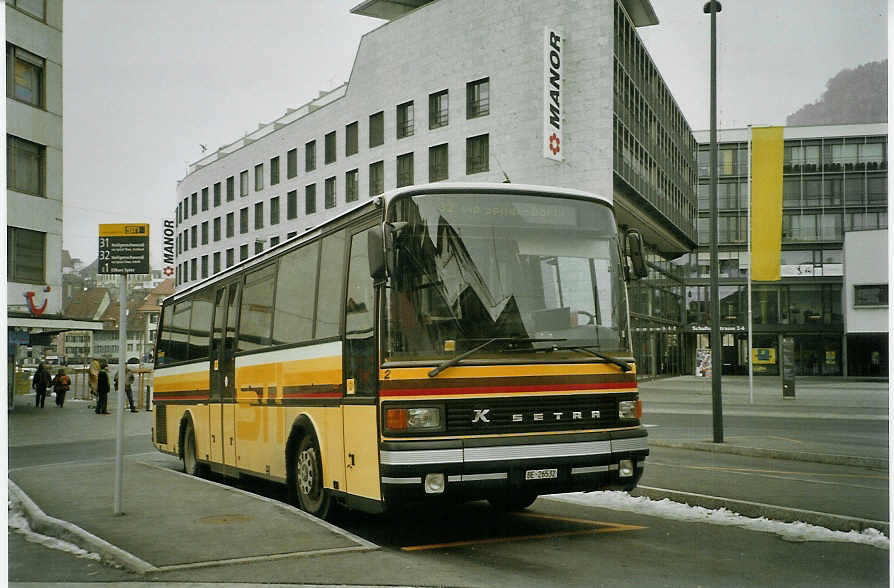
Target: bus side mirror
[
  {"x": 395, "y": 233},
  {"x": 635, "y": 252},
  {"x": 375, "y": 240}
]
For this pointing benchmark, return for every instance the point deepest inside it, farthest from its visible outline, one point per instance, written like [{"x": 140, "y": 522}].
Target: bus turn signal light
[
  {"x": 400, "y": 420},
  {"x": 630, "y": 409}
]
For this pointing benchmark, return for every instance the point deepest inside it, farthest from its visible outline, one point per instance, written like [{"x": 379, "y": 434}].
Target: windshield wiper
[
  {"x": 458, "y": 358},
  {"x": 588, "y": 349}
]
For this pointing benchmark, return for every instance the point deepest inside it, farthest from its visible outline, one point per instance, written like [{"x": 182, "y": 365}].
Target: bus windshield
[{"x": 534, "y": 274}]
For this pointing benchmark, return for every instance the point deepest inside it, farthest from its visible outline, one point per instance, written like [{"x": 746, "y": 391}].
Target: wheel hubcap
[{"x": 306, "y": 471}]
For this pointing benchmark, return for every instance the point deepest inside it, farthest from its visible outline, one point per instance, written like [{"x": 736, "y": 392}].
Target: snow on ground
[
  {"x": 18, "y": 523},
  {"x": 668, "y": 509}
]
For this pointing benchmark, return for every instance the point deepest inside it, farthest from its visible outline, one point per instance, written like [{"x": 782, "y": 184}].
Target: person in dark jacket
[
  {"x": 102, "y": 389},
  {"x": 61, "y": 384},
  {"x": 39, "y": 383}
]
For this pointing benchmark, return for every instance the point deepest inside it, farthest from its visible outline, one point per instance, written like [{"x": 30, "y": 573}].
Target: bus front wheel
[{"x": 308, "y": 479}]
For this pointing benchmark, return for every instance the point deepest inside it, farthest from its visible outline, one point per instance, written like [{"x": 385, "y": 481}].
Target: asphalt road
[
  {"x": 552, "y": 544},
  {"x": 843, "y": 435}
]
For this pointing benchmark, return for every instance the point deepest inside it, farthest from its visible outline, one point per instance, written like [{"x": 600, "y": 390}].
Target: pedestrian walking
[
  {"x": 61, "y": 384},
  {"x": 128, "y": 389},
  {"x": 40, "y": 382},
  {"x": 102, "y": 389}
]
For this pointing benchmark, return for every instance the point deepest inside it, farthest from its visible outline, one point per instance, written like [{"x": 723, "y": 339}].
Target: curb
[
  {"x": 770, "y": 511},
  {"x": 872, "y": 463},
  {"x": 53, "y": 527}
]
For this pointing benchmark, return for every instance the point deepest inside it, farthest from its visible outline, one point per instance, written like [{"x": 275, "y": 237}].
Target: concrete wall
[
  {"x": 443, "y": 45},
  {"x": 865, "y": 263}
]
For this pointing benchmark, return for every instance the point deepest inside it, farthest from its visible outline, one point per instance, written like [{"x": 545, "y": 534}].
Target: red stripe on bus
[
  {"x": 182, "y": 397},
  {"x": 509, "y": 389}
]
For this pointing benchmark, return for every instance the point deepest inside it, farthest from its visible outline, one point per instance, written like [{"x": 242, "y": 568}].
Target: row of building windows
[
  {"x": 638, "y": 65},
  {"x": 477, "y": 105},
  {"x": 852, "y": 154},
  {"x": 783, "y": 304},
  {"x": 795, "y": 227},
  {"x": 653, "y": 144},
  {"x": 477, "y": 161},
  {"x": 805, "y": 192}
]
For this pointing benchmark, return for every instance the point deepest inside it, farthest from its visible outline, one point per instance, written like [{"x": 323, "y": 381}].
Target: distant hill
[{"x": 858, "y": 95}]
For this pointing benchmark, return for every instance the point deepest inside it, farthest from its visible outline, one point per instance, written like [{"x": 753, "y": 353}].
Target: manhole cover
[{"x": 225, "y": 519}]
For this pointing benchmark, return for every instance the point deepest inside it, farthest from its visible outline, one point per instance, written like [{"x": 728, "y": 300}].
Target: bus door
[
  {"x": 361, "y": 376},
  {"x": 223, "y": 375}
]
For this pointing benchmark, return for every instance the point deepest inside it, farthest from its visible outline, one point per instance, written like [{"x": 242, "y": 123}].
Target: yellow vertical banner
[{"x": 766, "y": 202}]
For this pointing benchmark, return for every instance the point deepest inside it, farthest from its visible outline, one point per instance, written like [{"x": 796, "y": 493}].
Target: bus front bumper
[{"x": 473, "y": 468}]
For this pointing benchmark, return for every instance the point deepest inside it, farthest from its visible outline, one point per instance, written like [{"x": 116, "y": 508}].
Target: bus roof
[
  {"x": 386, "y": 198},
  {"x": 490, "y": 187}
]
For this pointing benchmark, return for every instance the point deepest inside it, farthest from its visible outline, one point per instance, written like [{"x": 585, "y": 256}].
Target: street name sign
[{"x": 123, "y": 249}]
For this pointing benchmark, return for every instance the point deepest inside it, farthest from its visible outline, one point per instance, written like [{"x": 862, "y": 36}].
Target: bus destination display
[{"x": 123, "y": 249}]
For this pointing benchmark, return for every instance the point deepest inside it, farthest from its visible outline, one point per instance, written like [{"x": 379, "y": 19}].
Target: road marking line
[
  {"x": 733, "y": 469},
  {"x": 602, "y": 527}
]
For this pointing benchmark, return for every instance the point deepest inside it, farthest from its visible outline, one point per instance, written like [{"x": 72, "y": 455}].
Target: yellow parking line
[{"x": 602, "y": 527}]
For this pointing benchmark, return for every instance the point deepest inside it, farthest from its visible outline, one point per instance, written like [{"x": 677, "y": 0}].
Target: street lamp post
[{"x": 712, "y": 8}]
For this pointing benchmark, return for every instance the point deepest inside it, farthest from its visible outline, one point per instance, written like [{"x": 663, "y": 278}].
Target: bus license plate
[{"x": 545, "y": 474}]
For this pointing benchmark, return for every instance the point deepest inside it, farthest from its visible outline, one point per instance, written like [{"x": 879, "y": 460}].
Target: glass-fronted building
[{"x": 834, "y": 181}]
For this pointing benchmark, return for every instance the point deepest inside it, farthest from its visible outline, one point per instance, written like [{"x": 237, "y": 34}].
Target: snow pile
[
  {"x": 18, "y": 522},
  {"x": 667, "y": 509}
]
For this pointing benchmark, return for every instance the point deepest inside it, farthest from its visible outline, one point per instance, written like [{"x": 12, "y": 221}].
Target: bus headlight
[
  {"x": 407, "y": 420},
  {"x": 630, "y": 409}
]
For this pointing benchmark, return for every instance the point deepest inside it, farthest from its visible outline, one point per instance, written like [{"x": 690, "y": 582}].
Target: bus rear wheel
[
  {"x": 191, "y": 463},
  {"x": 308, "y": 479}
]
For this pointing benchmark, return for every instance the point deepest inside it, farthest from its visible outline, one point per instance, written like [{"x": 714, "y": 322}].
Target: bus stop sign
[{"x": 123, "y": 249}]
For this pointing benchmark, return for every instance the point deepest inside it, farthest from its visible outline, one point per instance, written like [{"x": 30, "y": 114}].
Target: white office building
[{"x": 560, "y": 93}]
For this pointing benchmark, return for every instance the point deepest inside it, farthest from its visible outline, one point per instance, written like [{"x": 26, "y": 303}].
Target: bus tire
[
  {"x": 191, "y": 463},
  {"x": 512, "y": 502},
  {"x": 307, "y": 485}
]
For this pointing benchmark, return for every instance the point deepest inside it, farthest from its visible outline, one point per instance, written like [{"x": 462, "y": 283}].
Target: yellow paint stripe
[
  {"x": 602, "y": 527},
  {"x": 192, "y": 381},
  {"x": 498, "y": 371}
]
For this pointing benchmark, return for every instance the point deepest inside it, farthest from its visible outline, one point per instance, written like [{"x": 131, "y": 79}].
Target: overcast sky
[{"x": 147, "y": 81}]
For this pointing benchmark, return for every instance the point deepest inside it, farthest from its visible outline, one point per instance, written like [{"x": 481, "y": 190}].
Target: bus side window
[
  {"x": 360, "y": 348},
  {"x": 331, "y": 279},
  {"x": 293, "y": 320},
  {"x": 178, "y": 349},
  {"x": 256, "y": 316},
  {"x": 162, "y": 350},
  {"x": 200, "y": 325}
]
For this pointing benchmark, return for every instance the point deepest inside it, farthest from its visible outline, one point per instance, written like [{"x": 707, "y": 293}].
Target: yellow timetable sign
[
  {"x": 123, "y": 248},
  {"x": 124, "y": 230}
]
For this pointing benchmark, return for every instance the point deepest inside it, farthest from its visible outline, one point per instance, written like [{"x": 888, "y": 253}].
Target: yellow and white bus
[{"x": 453, "y": 340}]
